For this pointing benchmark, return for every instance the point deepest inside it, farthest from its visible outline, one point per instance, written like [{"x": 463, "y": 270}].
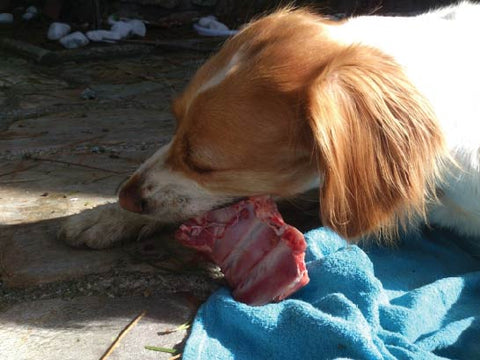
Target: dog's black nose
[{"x": 130, "y": 196}]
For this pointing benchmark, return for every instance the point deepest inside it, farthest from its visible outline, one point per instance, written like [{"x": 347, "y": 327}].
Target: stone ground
[{"x": 62, "y": 153}]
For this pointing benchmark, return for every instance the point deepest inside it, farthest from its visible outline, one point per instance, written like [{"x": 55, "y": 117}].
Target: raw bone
[{"x": 260, "y": 255}]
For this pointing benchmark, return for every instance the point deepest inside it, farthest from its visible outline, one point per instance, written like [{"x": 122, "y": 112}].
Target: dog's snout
[{"x": 130, "y": 195}]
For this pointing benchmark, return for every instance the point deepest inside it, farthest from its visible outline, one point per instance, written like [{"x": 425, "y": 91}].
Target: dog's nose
[{"x": 130, "y": 197}]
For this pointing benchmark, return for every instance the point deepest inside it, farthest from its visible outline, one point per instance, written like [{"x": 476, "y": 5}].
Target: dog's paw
[{"x": 102, "y": 227}]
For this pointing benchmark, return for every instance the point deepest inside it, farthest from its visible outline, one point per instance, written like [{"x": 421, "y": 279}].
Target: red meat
[{"x": 260, "y": 255}]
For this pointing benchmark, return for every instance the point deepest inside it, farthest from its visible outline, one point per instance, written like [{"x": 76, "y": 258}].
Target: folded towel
[{"x": 419, "y": 300}]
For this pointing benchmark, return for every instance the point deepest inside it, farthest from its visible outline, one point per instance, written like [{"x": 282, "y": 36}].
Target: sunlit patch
[{"x": 22, "y": 206}]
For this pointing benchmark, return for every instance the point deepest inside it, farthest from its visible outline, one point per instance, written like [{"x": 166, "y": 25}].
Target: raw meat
[{"x": 260, "y": 255}]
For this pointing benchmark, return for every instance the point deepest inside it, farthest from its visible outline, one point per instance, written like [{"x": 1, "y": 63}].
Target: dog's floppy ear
[{"x": 377, "y": 143}]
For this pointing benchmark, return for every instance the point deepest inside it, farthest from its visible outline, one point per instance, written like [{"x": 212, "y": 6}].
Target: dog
[{"x": 381, "y": 114}]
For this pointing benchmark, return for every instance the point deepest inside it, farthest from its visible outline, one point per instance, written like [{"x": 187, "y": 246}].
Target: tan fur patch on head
[{"x": 241, "y": 126}]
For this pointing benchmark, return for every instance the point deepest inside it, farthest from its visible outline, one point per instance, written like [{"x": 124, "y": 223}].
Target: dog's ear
[{"x": 377, "y": 142}]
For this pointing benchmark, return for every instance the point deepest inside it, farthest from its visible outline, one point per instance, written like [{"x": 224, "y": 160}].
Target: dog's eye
[
  {"x": 198, "y": 168},
  {"x": 192, "y": 163},
  {"x": 195, "y": 166}
]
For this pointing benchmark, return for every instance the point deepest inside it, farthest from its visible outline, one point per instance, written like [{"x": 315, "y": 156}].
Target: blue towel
[{"x": 420, "y": 300}]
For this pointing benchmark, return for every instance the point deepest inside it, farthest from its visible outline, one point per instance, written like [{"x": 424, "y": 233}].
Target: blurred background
[{"x": 178, "y": 15}]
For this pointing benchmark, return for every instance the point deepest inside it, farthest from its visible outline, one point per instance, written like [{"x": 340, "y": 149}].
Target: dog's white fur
[
  {"x": 173, "y": 196},
  {"x": 439, "y": 53}
]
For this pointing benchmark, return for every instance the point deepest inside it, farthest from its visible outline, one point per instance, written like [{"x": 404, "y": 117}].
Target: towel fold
[{"x": 420, "y": 300}]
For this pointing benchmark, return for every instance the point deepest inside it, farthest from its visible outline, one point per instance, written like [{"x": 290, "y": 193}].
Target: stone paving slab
[
  {"x": 60, "y": 164},
  {"x": 29, "y": 91},
  {"x": 85, "y": 327},
  {"x": 40, "y": 258},
  {"x": 88, "y": 133}
]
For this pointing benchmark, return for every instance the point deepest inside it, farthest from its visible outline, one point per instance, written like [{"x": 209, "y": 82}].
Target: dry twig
[{"x": 122, "y": 335}]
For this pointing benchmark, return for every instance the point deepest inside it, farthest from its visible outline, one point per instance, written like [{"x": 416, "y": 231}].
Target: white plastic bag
[
  {"x": 74, "y": 40},
  {"x": 102, "y": 35},
  {"x": 30, "y": 13},
  {"x": 57, "y": 30},
  {"x": 6, "y": 18},
  {"x": 138, "y": 27}
]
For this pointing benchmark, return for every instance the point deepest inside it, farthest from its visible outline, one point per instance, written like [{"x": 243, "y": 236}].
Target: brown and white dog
[{"x": 381, "y": 113}]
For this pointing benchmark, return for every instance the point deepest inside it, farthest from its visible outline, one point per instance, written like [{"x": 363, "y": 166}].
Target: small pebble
[
  {"x": 88, "y": 94},
  {"x": 98, "y": 149}
]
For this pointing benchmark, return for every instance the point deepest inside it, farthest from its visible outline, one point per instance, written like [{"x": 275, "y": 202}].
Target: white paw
[{"x": 102, "y": 227}]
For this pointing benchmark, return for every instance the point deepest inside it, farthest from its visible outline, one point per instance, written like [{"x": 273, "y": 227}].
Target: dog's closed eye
[{"x": 191, "y": 159}]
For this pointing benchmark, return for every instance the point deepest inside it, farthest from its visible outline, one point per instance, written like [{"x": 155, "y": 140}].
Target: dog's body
[{"x": 381, "y": 113}]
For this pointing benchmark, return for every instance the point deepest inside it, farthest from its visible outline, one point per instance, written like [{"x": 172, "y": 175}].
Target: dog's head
[{"x": 284, "y": 107}]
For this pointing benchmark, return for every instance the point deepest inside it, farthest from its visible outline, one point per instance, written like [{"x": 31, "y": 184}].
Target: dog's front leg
[{"x": 104, "y": 226}]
